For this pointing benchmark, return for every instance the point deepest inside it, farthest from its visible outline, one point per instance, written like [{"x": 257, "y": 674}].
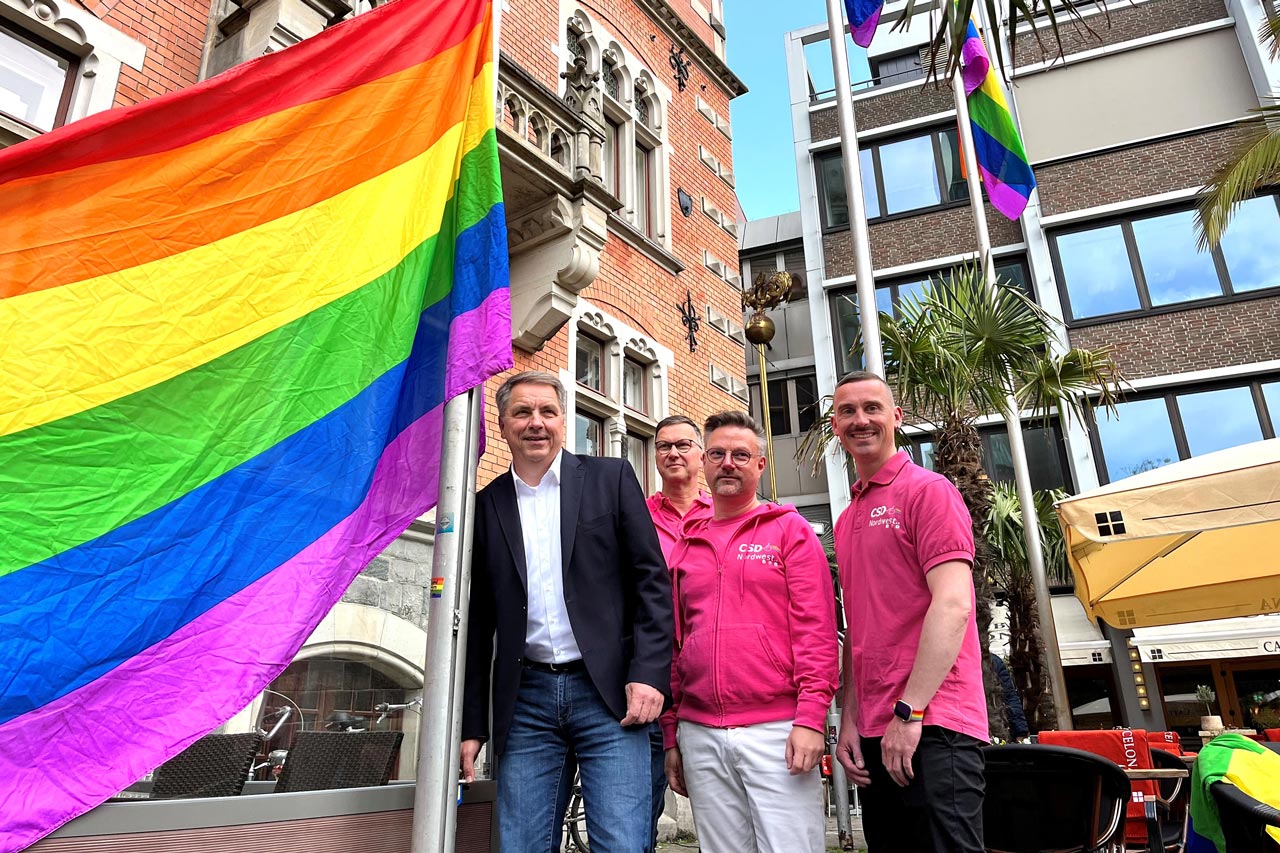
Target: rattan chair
[
  {"x": 1052, "y": 798},
  {"x": 214, "y": 766},
  {"x": 320, "y": 761}
]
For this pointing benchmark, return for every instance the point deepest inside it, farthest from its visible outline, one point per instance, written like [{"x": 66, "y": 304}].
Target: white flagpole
[
  {"x": 870, "y": 320},
  {"x": 1013, "y": 424}
]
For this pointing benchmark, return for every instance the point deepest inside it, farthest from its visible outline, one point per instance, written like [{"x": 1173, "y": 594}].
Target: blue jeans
[
  {"x": 658, "y": 757},
  {"x": 561, "y": 721}
]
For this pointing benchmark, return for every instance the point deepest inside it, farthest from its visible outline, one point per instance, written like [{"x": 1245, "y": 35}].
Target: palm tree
[
  {"x": 1009, "y": 567},
  {"x": 960, "y": 352},
  {"x": 1257, "y": 162}
]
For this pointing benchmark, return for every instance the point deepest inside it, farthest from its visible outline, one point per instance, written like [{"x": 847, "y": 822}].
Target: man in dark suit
[{"x": 568, "y": 575}]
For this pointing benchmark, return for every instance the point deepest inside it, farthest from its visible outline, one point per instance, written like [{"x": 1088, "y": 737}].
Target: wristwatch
[{"x": 903, "y": 711}]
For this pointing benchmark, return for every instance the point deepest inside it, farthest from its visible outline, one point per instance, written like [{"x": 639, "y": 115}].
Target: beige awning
[{"x": 1191, "y": 541}]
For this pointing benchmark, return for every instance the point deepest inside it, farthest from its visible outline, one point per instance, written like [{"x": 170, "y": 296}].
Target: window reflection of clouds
[
  {"x": 1137, "y": 438},
  {"x": 1271, "y": 394},
  {"x": 1250, "y": 246},
  {"x": 910, "y": 175},
  {"x": 868, "y": 166},
  {"x": 1214, "y": 420},
  {"x": 1098, "y": 275},
  {"x": 1174, "y": 269}
]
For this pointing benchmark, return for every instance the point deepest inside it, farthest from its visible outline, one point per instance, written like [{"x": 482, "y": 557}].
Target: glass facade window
[
  {"x": 1096, "y": 268},
  {"x": 644, "y": 180},
  {"x": 1151, "y": 432},
  {"x": 1216, "y": 420},
  {"x": 636, "y": 450},
  {"x": 1150, "y": 262},
  {"x": 909, "y": 183},
  {"x": 587, "y": 363},
  {"x": 633, "y": 386},
  {"x": 1251, "y": 246},
  {"x": 1137, "y": 438},
  {"x": 35, "y": 81},
  {"x": 892, "y": 293},
  {"x": 1174, "y": 270},
  {"x": 589, "y": 435},
  {"x": 793, "y": 404},
  {"x": 901, "y": 176},
  {"x": 1046, "y": 459}
]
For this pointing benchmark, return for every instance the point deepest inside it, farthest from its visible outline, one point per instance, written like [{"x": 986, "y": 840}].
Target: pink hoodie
[{"x": 755, "y": 623}]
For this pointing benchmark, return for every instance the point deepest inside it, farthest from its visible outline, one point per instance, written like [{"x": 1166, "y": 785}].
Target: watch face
[{"x": 902, "y": 711}]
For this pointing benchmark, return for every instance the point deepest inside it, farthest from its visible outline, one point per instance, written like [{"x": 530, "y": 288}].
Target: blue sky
[{"x": 763, "y": 155}]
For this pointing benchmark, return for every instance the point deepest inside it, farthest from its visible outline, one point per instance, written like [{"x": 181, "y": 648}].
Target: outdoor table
[{"x": 1154, "y": 773}]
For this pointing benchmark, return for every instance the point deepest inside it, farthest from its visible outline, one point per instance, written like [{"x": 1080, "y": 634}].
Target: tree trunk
[
  {"x": 958, "y": 457},
  {"x": 1027, "y": 662}
]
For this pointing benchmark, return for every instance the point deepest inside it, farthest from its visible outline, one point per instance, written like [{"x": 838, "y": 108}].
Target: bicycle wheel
[{"x": 575, "y": 819}]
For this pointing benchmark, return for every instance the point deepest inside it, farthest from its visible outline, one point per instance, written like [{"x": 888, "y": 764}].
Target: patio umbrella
[{"x": 1198, "y": 539}]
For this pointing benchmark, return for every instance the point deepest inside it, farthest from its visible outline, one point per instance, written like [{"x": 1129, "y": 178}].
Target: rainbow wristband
[{"x": 916, "y": 717}]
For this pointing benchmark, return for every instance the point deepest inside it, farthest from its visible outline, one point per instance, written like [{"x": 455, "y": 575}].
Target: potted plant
[{"x": 1210, "y": 722}]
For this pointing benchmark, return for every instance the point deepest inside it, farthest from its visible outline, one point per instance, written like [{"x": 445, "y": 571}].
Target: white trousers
[{"x": 744, "y": 798}]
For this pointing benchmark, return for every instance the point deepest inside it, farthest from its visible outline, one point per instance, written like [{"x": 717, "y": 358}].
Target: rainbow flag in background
[
  {"x": 229, "y": 320},
  {"x": 864, "y": 17},
  {"x": 1002, "y": 160},
  {"x": 1238, "y": 761}
]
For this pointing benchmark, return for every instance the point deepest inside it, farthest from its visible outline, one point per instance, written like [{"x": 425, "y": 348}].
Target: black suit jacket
[{"x": 616, "y": 590}]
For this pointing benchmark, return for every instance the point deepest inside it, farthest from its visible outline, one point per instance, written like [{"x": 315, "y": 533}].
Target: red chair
[
  {"x": 1168, "y": 741},
  {"x": 1271, "y": 735},
  {"x": 1130, "y": 750}
]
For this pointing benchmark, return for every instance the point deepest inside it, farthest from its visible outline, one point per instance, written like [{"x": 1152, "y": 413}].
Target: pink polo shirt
[
  {"x": 669, "y": 522},
  {"x": 901, "y": 524}
]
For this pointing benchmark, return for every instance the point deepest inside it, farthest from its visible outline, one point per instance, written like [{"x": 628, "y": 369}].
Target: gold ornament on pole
[{"x": 767, "y": 292}]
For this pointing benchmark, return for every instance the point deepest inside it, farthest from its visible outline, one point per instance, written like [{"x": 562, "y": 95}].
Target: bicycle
[{"x": 575, "y": 819}]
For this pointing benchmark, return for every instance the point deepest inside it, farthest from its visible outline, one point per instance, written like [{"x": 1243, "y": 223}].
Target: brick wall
[
  {"x": 630, "y": 286},
  {"x": 935, "y": 234},
  {"x": 1132, "y": 172},
  {"x": 1119, "y": 25},
  {"x": 173, "y": 32},
  {"x": 1198, "y": 338},
  {"x": 880, "y": 110}
]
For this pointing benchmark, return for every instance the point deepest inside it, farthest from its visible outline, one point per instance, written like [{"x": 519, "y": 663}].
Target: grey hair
[
  {"x": 529, "y": 377},
  {"x": 733, "y": 418},
  {"x": 673, "y": 420}
]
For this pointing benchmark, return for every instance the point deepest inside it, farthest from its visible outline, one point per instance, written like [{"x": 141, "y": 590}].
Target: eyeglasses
[
  {"x": 684, "y": 446},
  {"x": 740, "y": 457}
]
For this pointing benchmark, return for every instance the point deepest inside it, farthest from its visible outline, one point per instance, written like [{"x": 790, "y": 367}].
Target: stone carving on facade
[
  {"x": 583, "y": 95},
  {"x": 555, "y": 253}
]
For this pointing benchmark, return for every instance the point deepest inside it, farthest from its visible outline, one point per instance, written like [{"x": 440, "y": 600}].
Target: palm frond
[
  {"x": 1040, "y": 15},
  {"x": 1255, "y": 165}
]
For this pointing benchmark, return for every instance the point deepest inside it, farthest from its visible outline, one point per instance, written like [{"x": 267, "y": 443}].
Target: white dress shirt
[{"x": 548, "y": 635}]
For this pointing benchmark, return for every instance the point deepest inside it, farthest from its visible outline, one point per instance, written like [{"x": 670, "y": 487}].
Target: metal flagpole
[
  {"x": 438, "y": 792},
  {"x": 1013, "y": 423},
  {"x": 436, "y": 797},
  {"x": 872, "y": 350},
  {"x": 869, "y": 319}
]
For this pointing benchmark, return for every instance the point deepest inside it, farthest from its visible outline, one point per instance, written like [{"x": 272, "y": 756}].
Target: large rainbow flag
[
  {"x": 1002, "y": 159},
  {"x": 229, "y": 320}
]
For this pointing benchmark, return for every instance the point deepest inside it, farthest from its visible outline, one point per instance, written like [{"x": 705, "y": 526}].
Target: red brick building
[{"x": 617, "y": 164}]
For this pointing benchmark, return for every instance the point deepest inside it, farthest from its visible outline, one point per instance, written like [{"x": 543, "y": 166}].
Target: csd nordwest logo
[{"x": 886, "y": 516}]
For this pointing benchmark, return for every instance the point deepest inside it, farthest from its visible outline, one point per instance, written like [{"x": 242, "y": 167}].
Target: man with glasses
[
  {"x": 679, "y": 501},
  {"x": 755, "y": 661}
]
